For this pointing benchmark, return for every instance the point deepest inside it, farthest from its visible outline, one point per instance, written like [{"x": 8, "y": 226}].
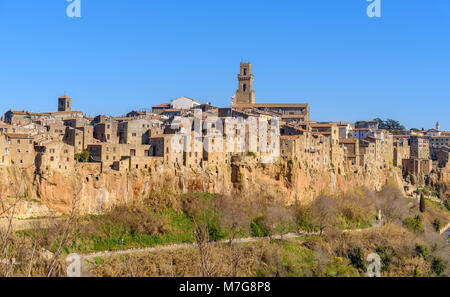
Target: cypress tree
[{"x": 422, "y": 203}]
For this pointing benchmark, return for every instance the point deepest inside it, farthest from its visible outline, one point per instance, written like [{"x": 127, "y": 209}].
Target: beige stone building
[
  {"x": 351, "y": 150},
  {"x": 419, "y": 147},
  {"x": 109, "y": 153},
  {"x": 55, "y": 155},
  {"x": 401, "y": 150},
  {"x": 164, "y": 146},
  {"x": 21, "y": 149},
  {"x": 107, "y": 130},
  {"x": 443, "y": 157},
  {"x": 136, "y": 131},
  {"x": 5, "y": 156},
  {"x": 79, "y": 137}
]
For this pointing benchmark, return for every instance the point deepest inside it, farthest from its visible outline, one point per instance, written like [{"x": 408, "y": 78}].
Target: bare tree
[
  {"x": 202, "y": 240},
  {"x": 234, "y": 220},
  {"x": 65, "y": 234},
  {"x": 18, "y": 182},
  {"x": 323, "y": 212},
  {"x": 279, "y": 220}
]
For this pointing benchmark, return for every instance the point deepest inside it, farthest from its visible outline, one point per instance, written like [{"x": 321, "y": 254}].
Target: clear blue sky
[{"x": 123, "y": 55}]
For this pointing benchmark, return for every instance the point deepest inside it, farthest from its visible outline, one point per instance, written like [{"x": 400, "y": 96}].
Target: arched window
[{"x": 245, "y": 87}]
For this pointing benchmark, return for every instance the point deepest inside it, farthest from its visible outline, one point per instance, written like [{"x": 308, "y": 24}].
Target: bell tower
[
  {"x": 438, "y": 127},
  {"x": 245, "y": 93},
  {"x": 64, "y": 103}
]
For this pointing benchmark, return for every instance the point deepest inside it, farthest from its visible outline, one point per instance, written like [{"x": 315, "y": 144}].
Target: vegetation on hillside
[{"x": 408, "y": 242}]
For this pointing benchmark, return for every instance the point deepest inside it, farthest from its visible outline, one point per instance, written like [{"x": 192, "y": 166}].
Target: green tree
[
  {"x": 422, "y": 203},
  {"x": 83, "y": 157}
]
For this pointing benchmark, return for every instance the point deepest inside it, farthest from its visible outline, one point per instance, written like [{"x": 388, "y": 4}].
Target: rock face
[{"x": 96, "y": 191}]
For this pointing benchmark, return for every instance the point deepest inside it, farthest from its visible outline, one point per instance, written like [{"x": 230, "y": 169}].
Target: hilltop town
[{"x": 67, "y": 141}]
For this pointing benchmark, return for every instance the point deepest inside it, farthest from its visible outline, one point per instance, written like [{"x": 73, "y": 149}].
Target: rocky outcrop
[{"x": 97, "y": 191}]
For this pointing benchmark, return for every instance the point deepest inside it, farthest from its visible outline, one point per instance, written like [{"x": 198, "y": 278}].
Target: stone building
[
  {"x": 361, "y": 133},
  {"x": 401, "y": 150},
  {"x": 437, "y": 143},
  {"x": 164, "y": 146},
  {"x": 351, "y": 150},
  {"x": 417, "y": 166},
  {"x": 21, "y": 149},
  {"x": 419, "y": 147},
  {"x": 109, "y": 153},
  {"x": 443, "y": 157},
  {"x": 64, "y": 103},
  {"x": 419, "y": 161},
  {"x": 367, "y": 150},
  {"x": 79, "y": 137},
  {"x": 5, "y": 157},
  {"x": 184, "y": 103},
  {"x": 56, "y": 131},
  {"x": 158, "y": 109},
  {"x": 107, "y": 130},
  {"x": 245, "y": 93},
  {"x": 55, "y": 155},
  {"x": 245, "y": 99},
  {"x": 136, "y": 131}
]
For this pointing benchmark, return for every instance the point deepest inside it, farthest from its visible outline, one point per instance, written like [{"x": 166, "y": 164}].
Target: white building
[{"x": 184, "y": 103}]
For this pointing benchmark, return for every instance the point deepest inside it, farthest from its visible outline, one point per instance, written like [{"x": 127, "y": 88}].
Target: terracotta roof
[
  {"x": 161, "y": 105},
  {"x": 297, "y": 128},
  {"x": 349, "y": 140},
  {"x": 17, "y": 135}
]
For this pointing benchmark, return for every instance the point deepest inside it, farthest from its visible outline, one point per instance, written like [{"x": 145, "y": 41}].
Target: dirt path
[
  {"x": 18, "y": 225},
  {"x": 191, "y": 245}
]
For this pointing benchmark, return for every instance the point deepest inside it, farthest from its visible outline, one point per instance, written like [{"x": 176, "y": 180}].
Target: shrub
[
  {"x": 258, "y": 228},
  {"x": 414, "y": 224},
  {"x": 387, "y": 255},
  {"x": 447, "y": 204},
  {"x": 82, "y": 157},
  {"x": 356, "y": 257},
  {"x": 437, "y": 225},
  {"x": 422, "y": 251},
  {"x": 438, "y": 266}
]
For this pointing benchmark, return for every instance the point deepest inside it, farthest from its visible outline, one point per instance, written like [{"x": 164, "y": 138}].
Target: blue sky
[{"x": 123, "y": 55}]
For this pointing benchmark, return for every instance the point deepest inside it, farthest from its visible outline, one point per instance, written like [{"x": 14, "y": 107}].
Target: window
[
  {"x": 245, "y": 71},
  {"x": 52, "y": 159},
  {"x": 245, "y": 87}
]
